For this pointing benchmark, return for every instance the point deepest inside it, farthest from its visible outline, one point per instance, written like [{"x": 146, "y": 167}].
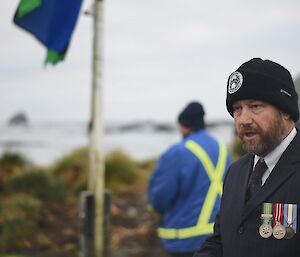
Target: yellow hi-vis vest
[{"x": 215, "y": 174}]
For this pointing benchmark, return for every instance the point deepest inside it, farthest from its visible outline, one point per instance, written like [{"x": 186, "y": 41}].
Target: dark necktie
[{"x": 255, "y": 181}]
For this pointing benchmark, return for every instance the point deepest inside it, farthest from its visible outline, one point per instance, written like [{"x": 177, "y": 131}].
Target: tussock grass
[{"x": 36, "y": 202}]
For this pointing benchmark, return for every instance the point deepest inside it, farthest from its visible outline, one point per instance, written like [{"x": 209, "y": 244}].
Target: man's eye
[
  {"x": 256, "y": 107},
  {"x": 236, "y": 109}
]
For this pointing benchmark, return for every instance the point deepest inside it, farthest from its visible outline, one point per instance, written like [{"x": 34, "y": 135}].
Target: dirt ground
[{"x": 133, "y": 226}]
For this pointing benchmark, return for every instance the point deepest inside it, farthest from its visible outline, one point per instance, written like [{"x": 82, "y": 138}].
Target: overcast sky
[{"x": 157, "y": 56}]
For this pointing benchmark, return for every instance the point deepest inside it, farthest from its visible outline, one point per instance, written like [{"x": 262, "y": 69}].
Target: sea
[{"x": 43, "y": 143}]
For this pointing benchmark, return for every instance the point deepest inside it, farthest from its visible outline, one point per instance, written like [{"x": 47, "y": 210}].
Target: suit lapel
[
  {"x": 281, "y": 172},
  {"x": 246, "y": 170}
]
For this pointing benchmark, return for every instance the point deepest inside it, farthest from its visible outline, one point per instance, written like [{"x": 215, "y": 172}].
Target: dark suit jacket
[{"x": 237, "y": 224}]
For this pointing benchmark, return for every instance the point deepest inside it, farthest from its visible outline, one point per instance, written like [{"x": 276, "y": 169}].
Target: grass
[{"x": 39, "y": 206}]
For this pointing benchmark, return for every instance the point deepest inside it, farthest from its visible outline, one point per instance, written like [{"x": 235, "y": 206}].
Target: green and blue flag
[{"x": 51, "y": 21}]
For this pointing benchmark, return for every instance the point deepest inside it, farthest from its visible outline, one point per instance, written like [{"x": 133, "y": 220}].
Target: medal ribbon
[
  {"x": 278, "y": 213},
  {"x": 295, "y": 217},
  {"x": 290, "y": 214},
  {"x": 267, "y": 212}
]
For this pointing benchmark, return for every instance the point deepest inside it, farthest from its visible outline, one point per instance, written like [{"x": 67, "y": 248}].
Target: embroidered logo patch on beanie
[{"x": 235, "y": 82}]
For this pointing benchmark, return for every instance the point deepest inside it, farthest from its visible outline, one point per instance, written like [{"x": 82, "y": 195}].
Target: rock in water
[{"x": 19, "y": 119}]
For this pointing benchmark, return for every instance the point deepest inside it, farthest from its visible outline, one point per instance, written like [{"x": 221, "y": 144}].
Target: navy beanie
[
  {"x": 192, "y": 116},
  {"x": 266, "y": 81}
]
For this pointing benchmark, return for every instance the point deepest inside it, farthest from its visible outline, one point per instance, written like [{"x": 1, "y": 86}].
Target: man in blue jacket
[{"x": 186, "y": 186}]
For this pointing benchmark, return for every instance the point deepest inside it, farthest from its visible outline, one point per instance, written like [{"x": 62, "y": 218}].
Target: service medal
[
  {"x": 289, "y": 233},
  {"x": 290, "y": 216},
  {"x": 265, "y": 229},
  {"x": 278, "y": 230}
]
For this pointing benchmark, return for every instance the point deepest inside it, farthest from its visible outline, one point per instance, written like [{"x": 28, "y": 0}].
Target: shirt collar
[{"x": 272, "y": 158}]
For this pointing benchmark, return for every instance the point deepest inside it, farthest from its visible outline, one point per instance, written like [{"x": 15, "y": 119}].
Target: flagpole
[{"x": 96, "y": 178}]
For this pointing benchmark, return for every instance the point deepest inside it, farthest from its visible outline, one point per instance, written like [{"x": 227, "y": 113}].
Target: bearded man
[{"x": 258, "y": 215}]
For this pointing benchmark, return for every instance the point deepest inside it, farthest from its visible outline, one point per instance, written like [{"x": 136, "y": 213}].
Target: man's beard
[{"x": 269, "y": 139}]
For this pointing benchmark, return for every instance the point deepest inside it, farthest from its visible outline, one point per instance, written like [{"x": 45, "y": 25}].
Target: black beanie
[
  {"x": 266, "y": 81},
  {"x": 192, "y": 116}
]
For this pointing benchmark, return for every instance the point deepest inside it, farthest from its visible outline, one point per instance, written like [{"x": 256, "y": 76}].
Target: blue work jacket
[{"x": 185, "y": 188}]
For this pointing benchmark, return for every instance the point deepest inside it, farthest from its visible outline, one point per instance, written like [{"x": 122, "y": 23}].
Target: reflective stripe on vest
[{"x": 215, "y": 175}]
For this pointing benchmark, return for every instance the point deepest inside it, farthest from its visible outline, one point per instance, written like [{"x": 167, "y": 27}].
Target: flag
[{"x": 51, "y": 22}]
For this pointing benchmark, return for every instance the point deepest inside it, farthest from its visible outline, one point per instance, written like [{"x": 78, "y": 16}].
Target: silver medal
[
  {"x": 279, "y": 231},
  {"x": 265, "y": 230}
]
